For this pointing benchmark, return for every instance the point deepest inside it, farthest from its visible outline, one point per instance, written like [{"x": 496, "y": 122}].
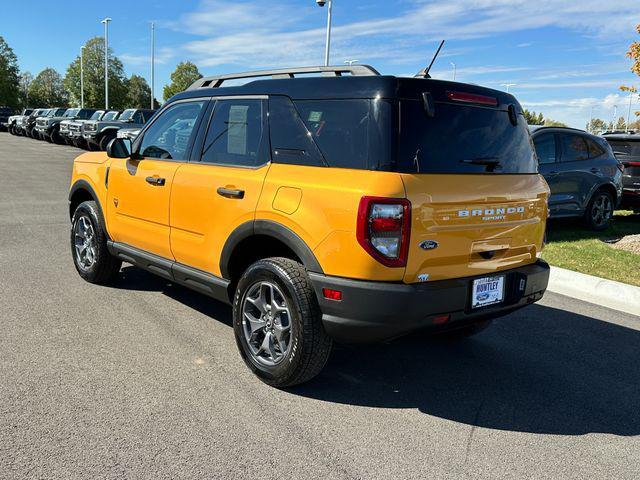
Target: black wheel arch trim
[
  {"x": 270, "y": 229},
  {"x": 83, "y": 185}
]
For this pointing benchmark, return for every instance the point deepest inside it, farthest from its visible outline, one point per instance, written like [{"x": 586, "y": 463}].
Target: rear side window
[
  {"x": 236, "y": 135},
  {"x": 463, "y": 139},
  {"x": 350, "y": 133},
  {"x": 545, "y": 148},
  {"x": 291, "y": 142},
  {"x": 573, "y": 147},
  {"x": 595, "y": 150}
]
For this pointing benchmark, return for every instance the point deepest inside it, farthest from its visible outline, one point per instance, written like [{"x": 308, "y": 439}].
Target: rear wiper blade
[{"x": 482, "y": 161}]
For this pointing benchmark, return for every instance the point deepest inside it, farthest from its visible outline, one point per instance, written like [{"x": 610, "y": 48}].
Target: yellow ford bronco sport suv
[{"x": 349, "y": 206}]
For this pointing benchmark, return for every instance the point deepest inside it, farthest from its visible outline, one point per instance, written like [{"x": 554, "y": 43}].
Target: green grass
[{"x": 572, "y": 246}]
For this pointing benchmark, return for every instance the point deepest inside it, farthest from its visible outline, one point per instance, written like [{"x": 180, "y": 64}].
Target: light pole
[
  {"x": 632, "y": 90},
  {"x": 106, "y": 62},
  {"x": 153, "y": 61},
  {"x": 82, "y": 77},
  {"x": 615, "y": 114},
  {"x": 508, "y": 85},
  {"x": 454, "y": 70},
  {"x": 322, "y": 3}
]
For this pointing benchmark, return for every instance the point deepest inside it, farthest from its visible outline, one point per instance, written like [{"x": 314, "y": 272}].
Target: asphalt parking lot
[{"x": 143, "y": 380}]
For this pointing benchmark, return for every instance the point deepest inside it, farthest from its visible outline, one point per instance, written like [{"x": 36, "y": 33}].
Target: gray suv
[{"x": 582, "y": 172}]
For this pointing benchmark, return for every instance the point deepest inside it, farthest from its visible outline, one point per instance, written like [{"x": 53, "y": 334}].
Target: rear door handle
[
  {"x": 230, "y": 192},
  {"x": 155, "y": 181}
]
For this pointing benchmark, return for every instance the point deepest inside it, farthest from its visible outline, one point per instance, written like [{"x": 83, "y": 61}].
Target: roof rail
[{"x": 355, "y": 70}]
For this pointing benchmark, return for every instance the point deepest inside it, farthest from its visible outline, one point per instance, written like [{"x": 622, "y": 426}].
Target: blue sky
[{"x": 564, "y": 57}]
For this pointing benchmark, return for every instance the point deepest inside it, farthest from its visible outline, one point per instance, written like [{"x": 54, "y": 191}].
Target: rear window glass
[
  {"x": 350, "y": 133},
  {"x": 625, "y": 149},
  {"x": 463, "y": 139}
]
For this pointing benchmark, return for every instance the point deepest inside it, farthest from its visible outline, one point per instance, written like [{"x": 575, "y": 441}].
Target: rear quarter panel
[{"x": 321, "y": 206}]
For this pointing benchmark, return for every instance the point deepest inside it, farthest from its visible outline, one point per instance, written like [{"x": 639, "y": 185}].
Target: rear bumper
[{"x": 376, "y": 311}]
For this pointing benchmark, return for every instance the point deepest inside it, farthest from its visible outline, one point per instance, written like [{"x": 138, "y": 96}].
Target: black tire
[
  {"x": 599, "y": 211},
  {"x": 104, "y": 141},
  {"x": 464, "y": 332},
  {"x": 309, "y": 345},
  {"x": 56, "y": 137},
  {"x": 105, "y": 267}
]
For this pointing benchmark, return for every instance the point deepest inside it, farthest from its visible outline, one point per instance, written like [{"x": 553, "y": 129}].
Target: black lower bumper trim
[{"x": 375, "y": 311}]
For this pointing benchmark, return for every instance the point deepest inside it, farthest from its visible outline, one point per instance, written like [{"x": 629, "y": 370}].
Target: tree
[
  {"x": 25, "y": 82},
  {"x": 620, "y": 124},
  {"x": 553, "y": 123},
  {"x": 533, "y": 118},
  {"x": 94, "y": 78},
  {"x": 634, "y": 55},
  {"x": 47, "y": 90},
  {"x": 596, "y": 125},
  {"x": 139, "y": 93},
  {"x": 182, "y": 77},
  {"x": 635, "y": 125},
  {"x": 9, "y": 76}
]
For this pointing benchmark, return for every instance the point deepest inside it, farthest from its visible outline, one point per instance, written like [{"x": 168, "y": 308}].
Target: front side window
[
  {"x": 545, "y": 148},
  {"x": 169, "y": 137},
  {"x": 236, "y": 135},
  {"x": 574, "y": 148},
  {"x": 137, "y": 117}
]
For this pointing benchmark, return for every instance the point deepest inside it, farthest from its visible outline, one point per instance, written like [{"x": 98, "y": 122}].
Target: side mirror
[{"x": 119, "y": 148}]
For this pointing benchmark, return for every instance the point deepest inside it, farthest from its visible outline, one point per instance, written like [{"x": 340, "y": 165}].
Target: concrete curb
[{"x": 616, "y": 295}]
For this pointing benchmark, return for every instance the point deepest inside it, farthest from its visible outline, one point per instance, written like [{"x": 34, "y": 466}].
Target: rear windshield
[
  {"x": 463, "y": 139},
  {"x": 625, "y": 149}
]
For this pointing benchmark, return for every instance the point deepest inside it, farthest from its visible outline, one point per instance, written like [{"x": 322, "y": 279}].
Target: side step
[{"x": 203, "y": 282}]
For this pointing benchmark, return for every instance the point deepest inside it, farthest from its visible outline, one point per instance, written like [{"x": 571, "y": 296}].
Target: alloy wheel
[
  {"x": 266, "y": 323},
  {"x": 602, "y": 210},
  {"x": 85, "y": 242}
]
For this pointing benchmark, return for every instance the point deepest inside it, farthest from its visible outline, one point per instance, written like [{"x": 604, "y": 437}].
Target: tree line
[{"x": 49, "y": 88}]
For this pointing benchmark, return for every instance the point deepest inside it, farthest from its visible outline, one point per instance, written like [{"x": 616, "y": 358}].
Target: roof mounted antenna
[{"x": 424, "y": 73}]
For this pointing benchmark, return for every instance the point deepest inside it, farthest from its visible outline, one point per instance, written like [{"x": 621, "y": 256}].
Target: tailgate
[{"x": 466, "y": 225}]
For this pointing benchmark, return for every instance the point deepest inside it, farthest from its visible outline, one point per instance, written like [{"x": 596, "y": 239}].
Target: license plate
[{"x": 487, "y": 291}]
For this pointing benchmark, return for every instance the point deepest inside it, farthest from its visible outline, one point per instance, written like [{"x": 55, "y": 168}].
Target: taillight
[{"x": 383, "y": 229}]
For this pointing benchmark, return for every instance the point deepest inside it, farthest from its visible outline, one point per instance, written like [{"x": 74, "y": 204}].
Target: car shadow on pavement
[
  {"x": 543, "y": 371},
  {"x": 538, "y": 370},
  {"x": 134, "y": 278}
]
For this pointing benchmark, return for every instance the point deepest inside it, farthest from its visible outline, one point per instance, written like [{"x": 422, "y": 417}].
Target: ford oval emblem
[{"x": 428, "y": 244}]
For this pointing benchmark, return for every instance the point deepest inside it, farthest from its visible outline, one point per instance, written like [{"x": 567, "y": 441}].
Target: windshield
[
  {"x": 626, "y": 149},
  {"x": 110, "y": 116},
  {"x": 463, "y": 139},
  {"x": 127, "y": 114},
  {"x": 97, "y": 115},
  {"x": 72, "y": 112}
]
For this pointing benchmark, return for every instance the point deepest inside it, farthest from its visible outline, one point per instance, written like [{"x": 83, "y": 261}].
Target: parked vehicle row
[{"x": 82, "y": 127}]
